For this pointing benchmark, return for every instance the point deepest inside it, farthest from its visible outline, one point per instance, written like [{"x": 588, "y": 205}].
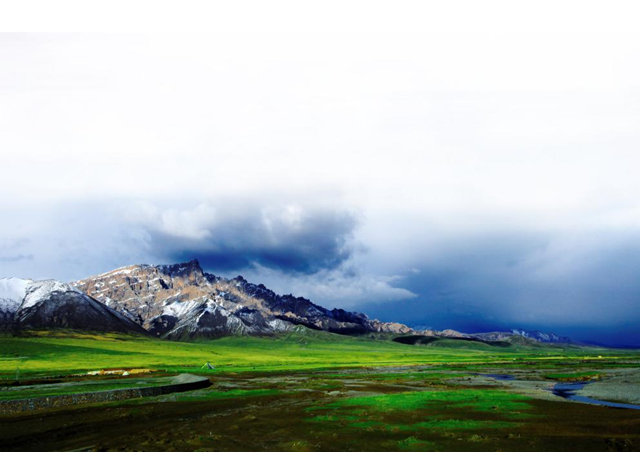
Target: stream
[{"x": 569, "y": 391}]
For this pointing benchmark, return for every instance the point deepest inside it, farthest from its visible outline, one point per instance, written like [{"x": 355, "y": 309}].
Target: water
[
  {"x": 499, "y": 376},
  {"x": 568, "y": 391}
]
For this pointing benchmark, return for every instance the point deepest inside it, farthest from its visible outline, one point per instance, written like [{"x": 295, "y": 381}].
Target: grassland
[
  {"x": 63, "y": 353},
  {"x": 316, "y": 391}
]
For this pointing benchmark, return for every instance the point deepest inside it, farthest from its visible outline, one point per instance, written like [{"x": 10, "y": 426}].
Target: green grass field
[{"x": 63, "y": 353}]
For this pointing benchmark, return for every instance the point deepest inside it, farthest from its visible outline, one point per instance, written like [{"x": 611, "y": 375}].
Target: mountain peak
[
  {"x": 540, "y": 336},
  {"x": 13, "y": 288},
  {"x": 39, "y": 290},
  {"x": 55, "y": 304},
  {"x": 181, "y": 301},
  {"x": 184, "y": 268}
]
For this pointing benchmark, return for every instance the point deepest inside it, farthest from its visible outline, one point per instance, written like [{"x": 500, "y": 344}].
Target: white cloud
[
  {"x": 192, "y": 224},
  {"x": 427, "y": 122},
  {"x": 426, "y": 142},
  {"x": 335, "y": 288}
]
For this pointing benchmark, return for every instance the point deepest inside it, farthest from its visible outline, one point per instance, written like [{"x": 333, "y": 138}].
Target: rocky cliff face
[
  {"x": 182, "y": 301},
  {"x": 27, "y": 304}
]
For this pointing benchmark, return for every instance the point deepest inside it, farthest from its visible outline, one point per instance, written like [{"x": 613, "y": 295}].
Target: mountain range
[
  {"x": 494, "y": 336},
  {"x": 181, "y": 301}
]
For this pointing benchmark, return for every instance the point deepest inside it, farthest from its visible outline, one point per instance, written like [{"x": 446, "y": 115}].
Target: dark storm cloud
[
  {"x": 580, "y": 283},
  {"x": 286, "y": 238},
  {"x": 585, "y": 285}
]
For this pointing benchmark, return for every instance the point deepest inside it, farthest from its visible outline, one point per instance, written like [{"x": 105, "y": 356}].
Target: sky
[{"x": 468, "y": 179}]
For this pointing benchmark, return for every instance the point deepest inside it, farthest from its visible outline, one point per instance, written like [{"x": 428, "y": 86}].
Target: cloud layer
[
  {"x": 582, "y": 283},
  {"x": 455, "y": 179},
  {"x": 285, "y": 237}
]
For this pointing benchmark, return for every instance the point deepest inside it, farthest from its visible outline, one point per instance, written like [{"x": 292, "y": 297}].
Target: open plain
[{"x": 312, "y": 390}]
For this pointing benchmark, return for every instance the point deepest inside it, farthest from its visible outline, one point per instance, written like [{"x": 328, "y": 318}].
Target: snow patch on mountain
[
  {"x": 12, "y": 292},
  {"x": 541, "y": 336},
  {"x": 179, "y": 308},
  {"x": 27, "y": 304},
  {"x": 39, "y": 290}
]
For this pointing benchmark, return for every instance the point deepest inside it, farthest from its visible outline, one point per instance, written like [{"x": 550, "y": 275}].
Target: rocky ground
[{"x": 622, "y": 385}]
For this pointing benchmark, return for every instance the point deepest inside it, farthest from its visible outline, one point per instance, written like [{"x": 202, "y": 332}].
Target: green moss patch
[{"x": 477, "y": 400}]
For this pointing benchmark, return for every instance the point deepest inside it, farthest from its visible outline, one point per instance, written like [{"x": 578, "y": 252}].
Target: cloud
[
  {"x": 578, "y": 281},
  {"x": 574, "y": 281},
  {"x": 68, "y": 240},
  {"x": 10, "y": 250},
  {"x": 17, "y": 257},
  {"x": 344, "y": 287},
  {"x": 282, "y": 236},
  {"x": 500, "y": 191}
]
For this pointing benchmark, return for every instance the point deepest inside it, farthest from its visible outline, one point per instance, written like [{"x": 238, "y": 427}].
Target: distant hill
[{"x": 497, "y": 336}]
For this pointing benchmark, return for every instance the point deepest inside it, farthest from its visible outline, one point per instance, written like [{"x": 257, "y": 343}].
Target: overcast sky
[{"x": 471, "y": 180}]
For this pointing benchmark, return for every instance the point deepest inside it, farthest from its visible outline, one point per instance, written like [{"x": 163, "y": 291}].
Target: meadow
[
  {"x": 48, "y": 353},
  {"x": 311, "y": 390}
]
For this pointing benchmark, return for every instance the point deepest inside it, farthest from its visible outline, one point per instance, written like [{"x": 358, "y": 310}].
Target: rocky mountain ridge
[
  {"x": 182, "y": 301},
  {"x": 535, "y": 336},
  {"x": 542, "y": 336}
]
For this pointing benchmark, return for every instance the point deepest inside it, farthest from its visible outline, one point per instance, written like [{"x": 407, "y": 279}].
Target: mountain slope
[
  {"x": 182, "y": 301},
  {"x": 27, "y": 304},
  {"x": 12, "y": 292}
]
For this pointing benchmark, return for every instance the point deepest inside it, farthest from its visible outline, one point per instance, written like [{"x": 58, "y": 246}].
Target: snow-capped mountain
[
  {"x": 27, "y": 304},
  {"x": 12, "y": 292},
  {"x": 535, "y": 336},
  {"x": 541, "y": 337},
  {"x": 182, "y": 301}
]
